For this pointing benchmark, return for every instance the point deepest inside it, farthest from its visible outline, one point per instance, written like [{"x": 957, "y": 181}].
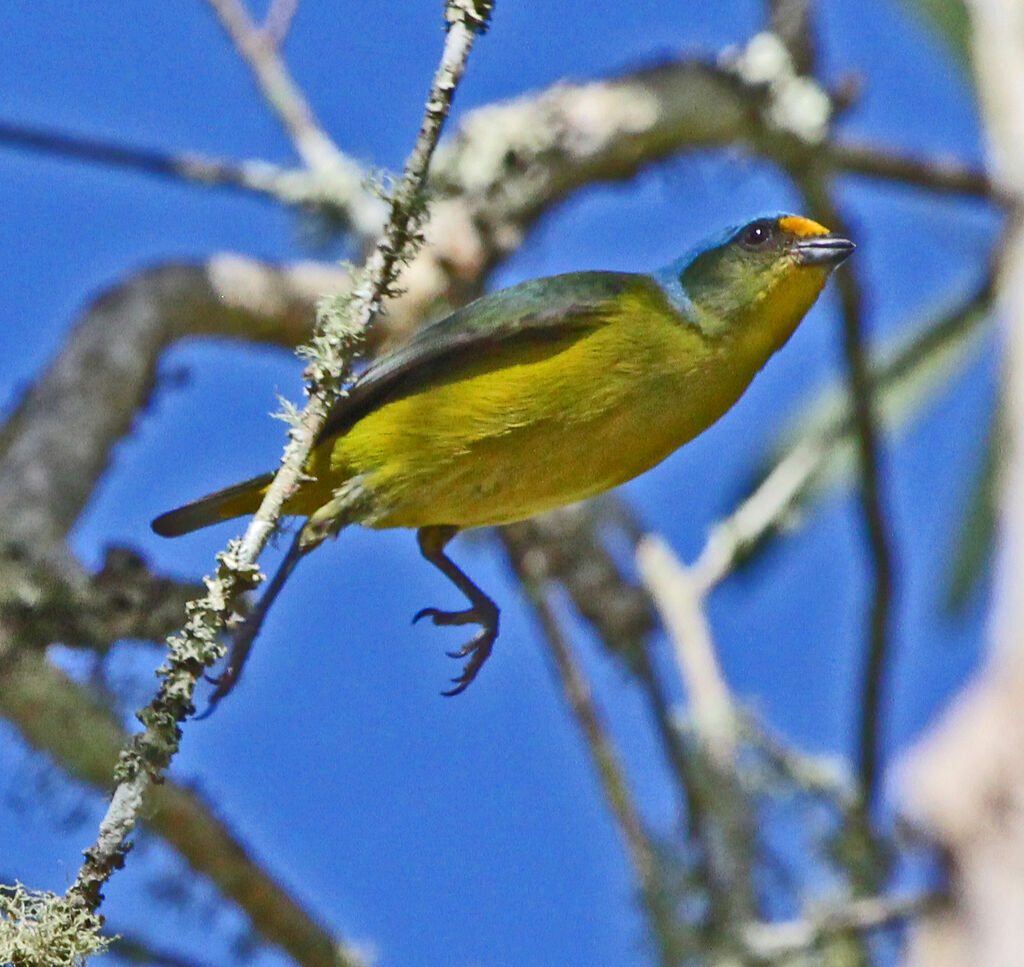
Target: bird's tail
[{"x": 242, "y": 498}]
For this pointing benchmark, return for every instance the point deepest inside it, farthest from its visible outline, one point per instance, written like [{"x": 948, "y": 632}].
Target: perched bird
[{"x": 539, "y": 395}]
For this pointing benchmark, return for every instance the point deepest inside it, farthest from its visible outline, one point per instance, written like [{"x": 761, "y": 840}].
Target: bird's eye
[{"x": 757, "y": 235}]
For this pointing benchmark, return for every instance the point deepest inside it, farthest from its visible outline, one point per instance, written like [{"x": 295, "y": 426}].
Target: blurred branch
[
  {"x": 566, "y": 546},
  {"x": 130, "y": 949},
  {"x": 278, "y": 21},
  {"x": 61, "y": 719},
  {"x": 775, "y": 943},
  {"x": 723, "y": 822},
  {"x": 279, "y": 90},
  {"x": 611, "y": 774},
  {"x": 510, "y": 162},
  {"x": 319, "y": 153},
  {"x": 679, "y": 600},
  {"x": 59, "y": 438},
  {"x": 310, "y": 189},
  {"x": 940, "y": 175},
  {"x": 965, "y": 780},
  {"x": 790, "y": 20},
  {"x": 815, "y": 189},
  {"x": 124, "y": 599}
]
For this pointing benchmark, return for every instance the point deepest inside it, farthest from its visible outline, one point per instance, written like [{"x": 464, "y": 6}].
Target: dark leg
[
  {"x": 482, "y": 610},
  {"x": 243, "y": 638}
]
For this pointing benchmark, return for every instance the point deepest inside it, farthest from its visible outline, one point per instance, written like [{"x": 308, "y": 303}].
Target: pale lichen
[{"x": 39, "y": 929}]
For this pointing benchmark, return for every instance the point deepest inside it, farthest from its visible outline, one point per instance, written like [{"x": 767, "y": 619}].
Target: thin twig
[
  {"x": 279, "y": 89},
  {"x": 198, "y": 646},
  {"x": 815, "y": 189},
  {"x": 320, "y": 154},
  {"x": 191, "y": 167},
  {"x": 278, "y": 21},
  {"x": 290, "y": 186}
]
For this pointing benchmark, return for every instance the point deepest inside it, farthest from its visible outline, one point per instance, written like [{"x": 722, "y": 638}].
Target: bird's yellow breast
[{"x": 524, "y": 429}]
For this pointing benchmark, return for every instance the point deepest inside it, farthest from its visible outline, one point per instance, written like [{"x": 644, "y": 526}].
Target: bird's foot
[{"x": 483, "y": 613}]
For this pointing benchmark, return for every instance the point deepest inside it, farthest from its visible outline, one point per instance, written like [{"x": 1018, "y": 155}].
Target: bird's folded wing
[{"x": 542, "y": 310}]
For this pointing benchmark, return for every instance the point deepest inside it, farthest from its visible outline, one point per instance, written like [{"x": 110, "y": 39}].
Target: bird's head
[{"x": 765, "y": 275}]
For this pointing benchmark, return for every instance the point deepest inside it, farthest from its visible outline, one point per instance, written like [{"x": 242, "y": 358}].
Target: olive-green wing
[{"x": 542, "y": 310}]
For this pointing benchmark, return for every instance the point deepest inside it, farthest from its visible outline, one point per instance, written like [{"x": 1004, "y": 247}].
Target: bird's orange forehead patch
[{"x": 802, "y": 227}]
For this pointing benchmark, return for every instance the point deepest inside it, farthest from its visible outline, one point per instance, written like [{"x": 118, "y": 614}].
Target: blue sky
[{"x": 468, "y": 831}]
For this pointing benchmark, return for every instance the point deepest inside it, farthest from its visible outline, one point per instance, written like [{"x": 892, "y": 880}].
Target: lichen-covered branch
[{"x": 197, "y": 647}]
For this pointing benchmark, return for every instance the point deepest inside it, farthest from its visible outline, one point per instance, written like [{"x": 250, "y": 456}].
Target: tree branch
[
  {"x": 198, "y": 645},
  {"x": 776, "y": 943},
  {"x": 874, "y": 518},
  {"x": 642, "y": 856}
]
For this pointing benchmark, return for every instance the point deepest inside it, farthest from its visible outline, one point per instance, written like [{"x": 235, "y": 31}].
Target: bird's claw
[
  {"x": 478, "y": 648},
  {"x": 446, "y": 618}
]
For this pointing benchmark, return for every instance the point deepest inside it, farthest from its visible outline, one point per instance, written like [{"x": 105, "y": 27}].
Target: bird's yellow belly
[{"x": 500, "y": 443}]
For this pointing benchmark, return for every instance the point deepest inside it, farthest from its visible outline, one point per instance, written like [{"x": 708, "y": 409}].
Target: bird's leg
[
  {"x": 482, "y": 610},
  {"x": 243, "y": 638}
]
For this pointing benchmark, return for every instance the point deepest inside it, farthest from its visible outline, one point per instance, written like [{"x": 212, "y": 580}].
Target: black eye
[{"x": 757, "y": 234}]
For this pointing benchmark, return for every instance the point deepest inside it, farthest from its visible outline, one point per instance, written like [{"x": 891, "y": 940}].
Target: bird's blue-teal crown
[{"x": 727, "y": 279}]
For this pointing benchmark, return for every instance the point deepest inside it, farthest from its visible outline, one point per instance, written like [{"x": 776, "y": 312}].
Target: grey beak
[{"x": 827, "y": 250}]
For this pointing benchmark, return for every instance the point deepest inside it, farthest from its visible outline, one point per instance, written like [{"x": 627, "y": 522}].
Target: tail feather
[{"x": 241, "y": 498}]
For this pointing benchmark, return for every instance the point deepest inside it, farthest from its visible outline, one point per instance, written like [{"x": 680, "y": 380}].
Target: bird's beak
[{"x": 824, "y": 250}]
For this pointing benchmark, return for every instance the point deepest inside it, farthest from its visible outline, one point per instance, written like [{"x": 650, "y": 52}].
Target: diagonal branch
[
  {"x": 277, "y": 86},
  {"x": 642, "y": 856},
  {"x": 198, "y": 645}
]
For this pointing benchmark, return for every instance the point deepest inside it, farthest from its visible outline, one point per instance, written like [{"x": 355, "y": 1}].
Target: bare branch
[
  {"x": 281, "y": 92},
  {"x": 937, "y": 174},
  {"x": 59, "y": 439},
  {"x": 319, "y": 153},
  {"x": 678, "y": 599},
  {"x": 722, "y": 818},
  {"x": 349, "y": 202}
]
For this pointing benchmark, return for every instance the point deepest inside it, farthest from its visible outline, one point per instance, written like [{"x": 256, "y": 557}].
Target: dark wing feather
[{"x": 533, "y": 312}]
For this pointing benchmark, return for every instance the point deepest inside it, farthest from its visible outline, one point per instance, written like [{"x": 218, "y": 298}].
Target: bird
[{"x": 537, "y": 396}]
